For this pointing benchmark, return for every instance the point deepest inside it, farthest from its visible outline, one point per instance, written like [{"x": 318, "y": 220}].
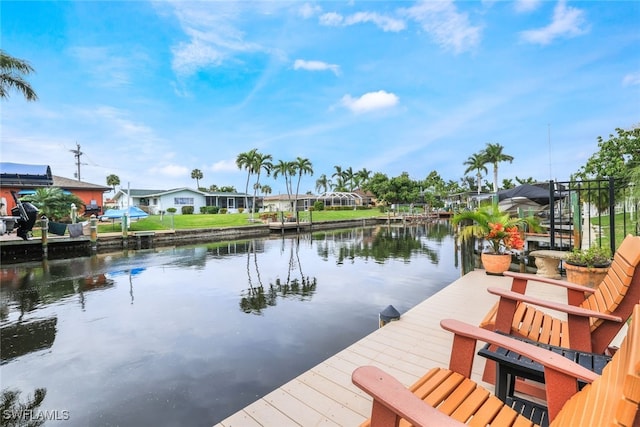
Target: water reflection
[
  {"x": 255, "y": 299},
  {"x": 383, "y": 243},
  {"x": 189, "y": 335},
  {"x": 16, "y": 413}
]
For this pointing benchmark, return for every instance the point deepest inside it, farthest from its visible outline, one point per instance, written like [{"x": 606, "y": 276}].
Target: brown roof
[{"x": 69, "y": 184}]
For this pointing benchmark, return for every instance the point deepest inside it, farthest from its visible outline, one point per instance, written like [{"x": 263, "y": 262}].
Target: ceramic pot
[
  {"x": 586, "y": 276},
  {"x": 495, "y": 264}
]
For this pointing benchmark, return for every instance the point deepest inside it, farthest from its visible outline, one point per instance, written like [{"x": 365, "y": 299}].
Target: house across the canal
[
  {"x": 26, "y": 179},
  {"x": 156, "y": 201}
]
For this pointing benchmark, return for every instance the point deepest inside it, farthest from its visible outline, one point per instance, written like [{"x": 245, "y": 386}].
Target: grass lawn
[
  {"x": 623, "y": 226},
  {"x": 184, "y": 222}
]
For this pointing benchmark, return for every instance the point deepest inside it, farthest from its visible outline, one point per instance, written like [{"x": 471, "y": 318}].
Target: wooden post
[
  {"x": 93, "y": 227},
  {"x": 44, "y": 226},
  {"x": 125, "y": 231}
]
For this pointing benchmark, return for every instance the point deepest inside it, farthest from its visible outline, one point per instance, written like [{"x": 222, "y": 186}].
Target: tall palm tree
[
  {"x": 112, "y": 181},
  {"x": 338, "y": 174},
  {"x": 323, "y": 183},
  {"x": 287, "y": 170},
  {"x": 348, "y": 176},
  {"x": 197, "y": 175},
  {"x": 266, "y": 189},
  {"x": 363, "y": 176},
  {"x": 261, "y": 162},
  {"x": 12, "y": 72},
  {"x": 302, "y": 167},
  {"x": 493, "y": 154},
  {"x": 246, "y": 161},
  {"x": 476, "y": 162}
]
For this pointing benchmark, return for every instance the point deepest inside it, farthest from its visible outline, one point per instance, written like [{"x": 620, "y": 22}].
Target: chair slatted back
[
  {"x": 613, "y": 289},
  {"x": 612, "y": 399}
]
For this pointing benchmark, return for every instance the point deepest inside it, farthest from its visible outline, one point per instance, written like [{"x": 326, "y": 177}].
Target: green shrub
[
  {"x": 203, "y": 209},
  {"x": 223, "y": 210},
  {"x": 212, "y": 209},
  {"x": 318, "y": 205},
  {"x": 187, "y": 210},
  {"x": 171, "y": 210}
]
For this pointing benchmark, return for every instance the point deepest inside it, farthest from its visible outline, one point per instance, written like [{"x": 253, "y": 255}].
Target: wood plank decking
[{"x": 407, "y": 348}]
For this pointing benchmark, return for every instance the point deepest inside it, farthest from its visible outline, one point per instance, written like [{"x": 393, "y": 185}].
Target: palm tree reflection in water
[{"x": 256, "y": 298}]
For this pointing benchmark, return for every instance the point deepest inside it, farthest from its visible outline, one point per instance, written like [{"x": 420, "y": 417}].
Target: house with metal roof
[{"x": 25, "y": 179}]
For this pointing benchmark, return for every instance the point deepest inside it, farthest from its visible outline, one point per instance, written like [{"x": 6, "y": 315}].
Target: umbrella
[{"x": 132, "y": 212}]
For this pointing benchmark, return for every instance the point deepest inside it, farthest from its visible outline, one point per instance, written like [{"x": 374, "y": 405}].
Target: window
[{"x": 178, "y": 201}]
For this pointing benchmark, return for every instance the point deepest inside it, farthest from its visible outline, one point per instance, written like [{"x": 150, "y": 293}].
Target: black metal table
[{"x": 510, "y": 365}]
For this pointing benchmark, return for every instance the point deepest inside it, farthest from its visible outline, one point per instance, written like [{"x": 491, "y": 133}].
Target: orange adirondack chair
[
  {"x": 447, "y": 397},
  {"x": 592, "y": 322}
]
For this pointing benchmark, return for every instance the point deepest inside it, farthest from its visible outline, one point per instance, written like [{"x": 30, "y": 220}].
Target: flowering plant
[
  {"x": 503, "y": 238},
  {"x": 498, "y": 228}
]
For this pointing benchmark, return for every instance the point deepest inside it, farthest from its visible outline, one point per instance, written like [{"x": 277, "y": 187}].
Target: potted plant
[
  {"x": 499, "y": 230},
  {"x": 589, "y": 266}
]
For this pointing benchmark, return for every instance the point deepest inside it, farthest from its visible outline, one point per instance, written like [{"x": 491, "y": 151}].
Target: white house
[{"x": 154, "y": 201}]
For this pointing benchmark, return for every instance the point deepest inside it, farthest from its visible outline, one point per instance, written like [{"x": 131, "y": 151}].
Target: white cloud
[
  {"x": 107, "y": 66},
  {"x": 567, "y": 21},
  {"x": 301, "y": 64},
  {"x": 385, "y": 23},
  {"x": 370, "y": 101},
  {"x": 331, "y": 19},
  {"x": 224, "y": 166},
  {"x": 632, "y": 79},
  {"x": 308, "y": 10},
  {"x": 448, "y": 27},
  {"x": 171, "y": 170},
  {"x": 524, "y": 6},
  {"x": 212, "y": 35}
]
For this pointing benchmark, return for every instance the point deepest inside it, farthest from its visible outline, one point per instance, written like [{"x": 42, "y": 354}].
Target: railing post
[{"x": 612, "y": 215}]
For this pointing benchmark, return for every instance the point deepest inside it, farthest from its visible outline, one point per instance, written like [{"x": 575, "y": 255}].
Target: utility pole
[{"x": 77, "y": 153}]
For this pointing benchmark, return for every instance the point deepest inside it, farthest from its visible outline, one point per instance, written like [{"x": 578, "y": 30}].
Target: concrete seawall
[{"x": 15, "y": 250}]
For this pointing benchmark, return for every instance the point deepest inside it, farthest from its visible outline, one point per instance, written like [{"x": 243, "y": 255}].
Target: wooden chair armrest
[
  {"x": 549, "y": 359},
  {"x": 565, "y": 308},
  {"x": 392, "y": 400},
  {"x": 549, "y": 281}
]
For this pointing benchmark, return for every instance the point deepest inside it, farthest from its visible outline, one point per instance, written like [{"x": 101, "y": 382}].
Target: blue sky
[{"x": 153, "y": 90}]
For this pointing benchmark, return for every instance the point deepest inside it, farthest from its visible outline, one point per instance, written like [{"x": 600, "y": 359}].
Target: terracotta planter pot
[
  {"x": 586, "y": 276},
  {"x": 495, "y": 264}
]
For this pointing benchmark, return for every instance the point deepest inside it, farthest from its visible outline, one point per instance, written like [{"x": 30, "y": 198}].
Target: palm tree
[
  {"x": 266, "y": 189},
  {"x": 287, "y": 170},
  {"x": 348, "y": 176},
  {"x": 338, "y": 174},
  {"x": 323, "y": 183},
  {"x": 302, "y": 167},
  {"x": 261, "y": 161},
  {"x": 53, "y": 202},
  {"x": 476, "y": 162},
  {"x": 197, "y": 175},
  {"x": 112, "y": 181},
  {"x": 246, "y": 161},
  {"x": 363, "y": 176},
  {"x": 12, "y": 71},
  {"x": 493, "y": 154}
]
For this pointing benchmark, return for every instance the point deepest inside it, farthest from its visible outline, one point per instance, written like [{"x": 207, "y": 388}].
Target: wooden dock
[{"x": 406, "y": 348}]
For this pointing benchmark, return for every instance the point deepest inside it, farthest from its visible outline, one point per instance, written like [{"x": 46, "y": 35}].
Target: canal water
[{"x": 187, "y": 336}]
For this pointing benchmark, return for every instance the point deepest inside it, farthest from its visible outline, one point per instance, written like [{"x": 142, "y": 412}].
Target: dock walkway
[{"x": 407, "y": 348}]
